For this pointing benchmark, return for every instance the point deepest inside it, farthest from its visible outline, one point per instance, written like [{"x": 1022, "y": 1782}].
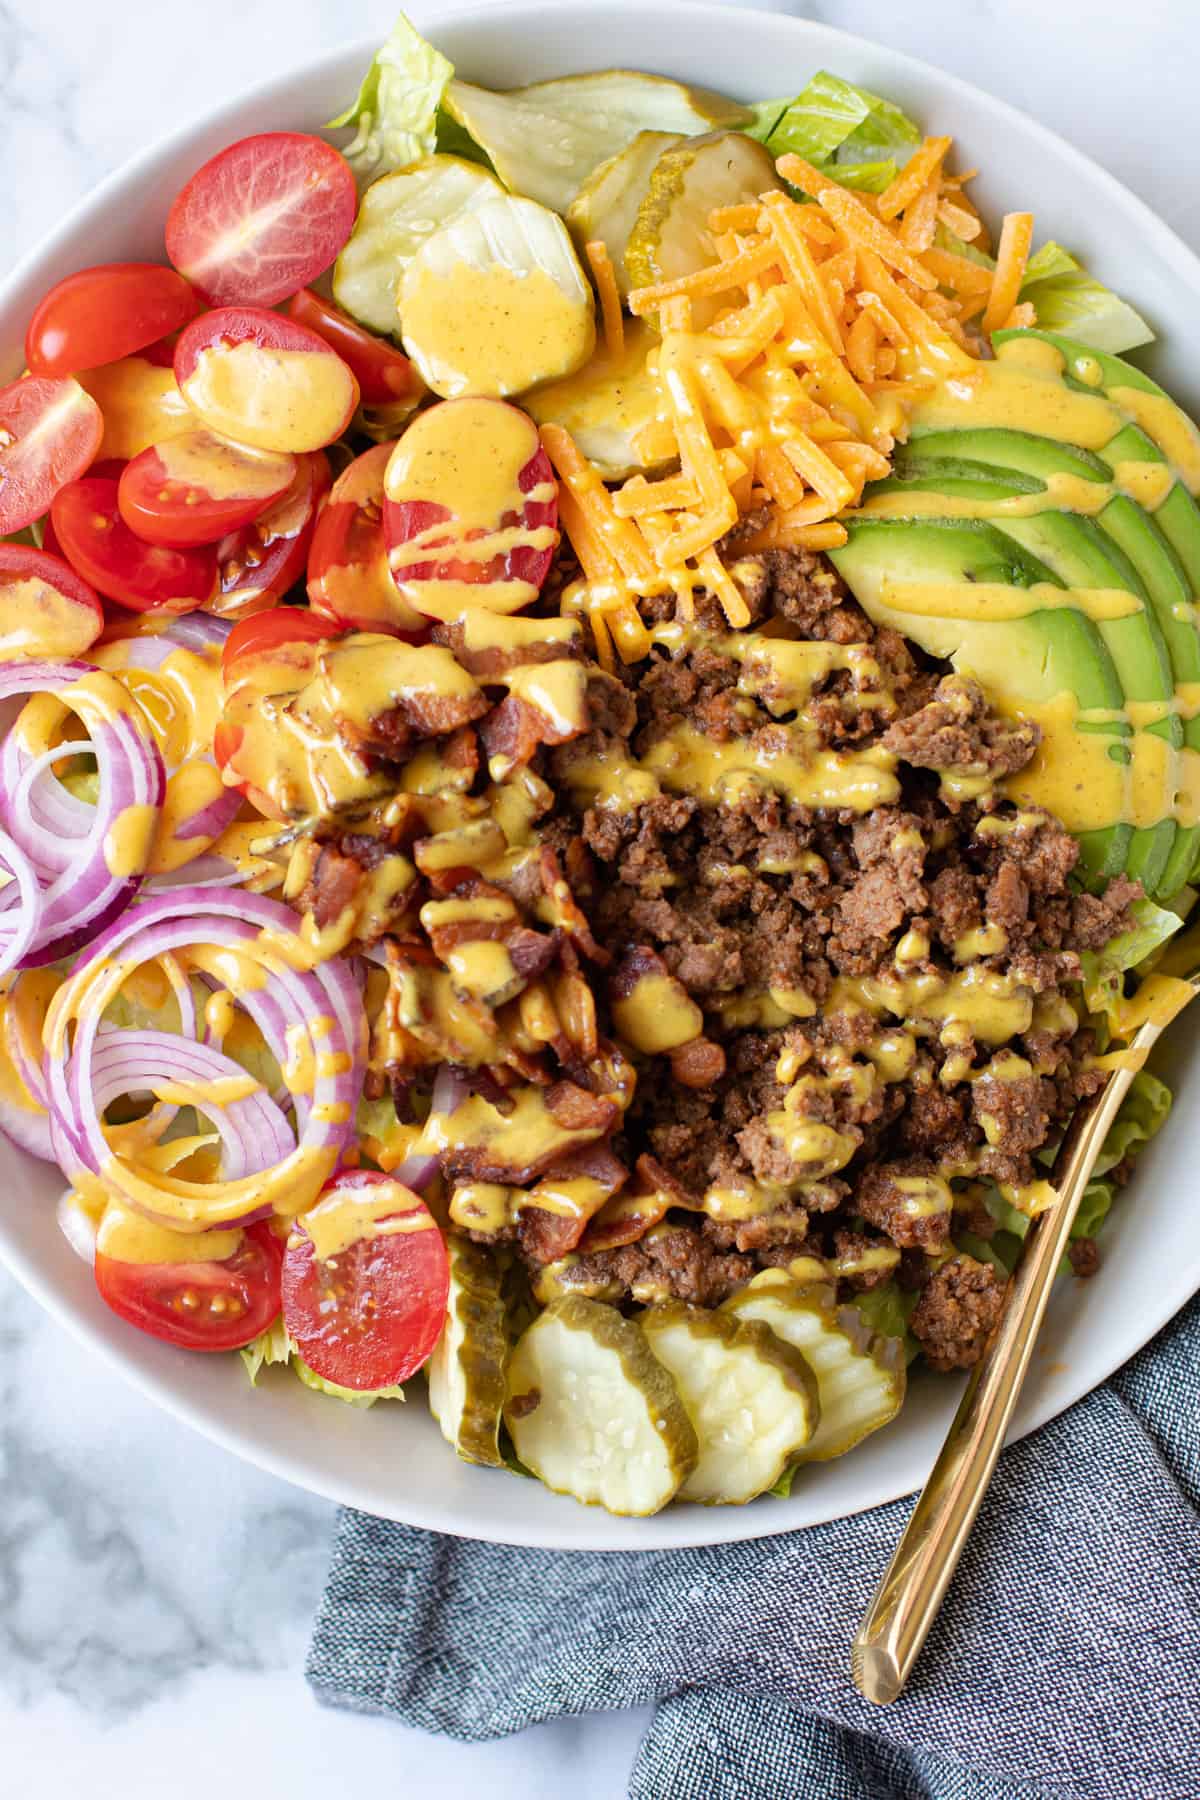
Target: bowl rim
[{"x": 591, "y": 1530}]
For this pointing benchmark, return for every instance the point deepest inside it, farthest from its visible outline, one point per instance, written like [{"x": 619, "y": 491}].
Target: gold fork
[{"x": 909, "y": 1596}]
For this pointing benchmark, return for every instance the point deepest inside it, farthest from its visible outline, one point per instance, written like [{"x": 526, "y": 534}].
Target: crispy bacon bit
[
  {"x": 515, "y": 730},
  {"x": 566, "y": 908},
  {"x": 577, "y": 1110},
  {"x": 491, "y": 662}
]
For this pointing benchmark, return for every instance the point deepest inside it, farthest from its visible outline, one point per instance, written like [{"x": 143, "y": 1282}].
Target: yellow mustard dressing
[
  {"x": 350, "y": 1215},
  {"x": 141, "y": 403},
  {"x": 271, "y": 399},
  {"x": 493, "y": 331}
]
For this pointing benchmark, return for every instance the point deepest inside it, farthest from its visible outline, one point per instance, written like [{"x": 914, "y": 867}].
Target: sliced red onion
[
  {"x": 206, "y": 870},
  {"x": 212, "y": 819},
  {"x": 263, "y": 931},
  {"x": 76, "y": 1227},
  {"x": 20, "y": 905},
  {"x": 450, "y": 1088},
  {"x": 416, "y": 1172},
  {"x": 253, "y": 1131},
  {"x": 79, "y": 893},
  {"x": 28, "y": 1128}
]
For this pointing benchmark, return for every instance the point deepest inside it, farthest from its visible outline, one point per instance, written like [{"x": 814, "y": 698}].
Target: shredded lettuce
[
  {"x": 1070, "y": 300},
  {"x": 1104, "y": 970},
  {"x": 270, "y": 1346},
  {"x": 396, "y": 112},
  {"x": 886, "y": 1310},
  {"x": 352, "y": 1396},
  {"x": 857, "y": 137}
]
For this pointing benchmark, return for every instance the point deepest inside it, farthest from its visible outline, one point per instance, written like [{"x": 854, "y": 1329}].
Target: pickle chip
[
  {"x": 466, "y": 1370},
  {"x": 751, "y": 1397},
  {"x": 860, "y": 1378},
  {"x": 593, "y": 1412}
]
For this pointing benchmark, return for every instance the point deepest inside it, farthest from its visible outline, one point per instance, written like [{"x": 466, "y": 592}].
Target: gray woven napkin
[{"x": 1066, "y": 1661}]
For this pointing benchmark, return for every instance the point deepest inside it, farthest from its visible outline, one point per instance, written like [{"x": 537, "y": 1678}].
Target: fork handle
[{"x": 914, "y": 1584}]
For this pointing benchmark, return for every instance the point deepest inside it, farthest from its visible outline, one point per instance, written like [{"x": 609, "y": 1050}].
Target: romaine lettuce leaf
[
  {"x": 1143, "y": 1113},
  {"x": 352, "y": 1396},
  {"x": 1070, "y": 300},
  {"x": 270, "y": 1346},
  {"x": 396, "y": 112},
  {"x": 1104, "y": 970},
  {"x": 855, "y": 136}
]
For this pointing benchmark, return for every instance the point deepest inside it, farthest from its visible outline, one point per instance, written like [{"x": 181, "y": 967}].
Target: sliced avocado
[
  {"x": 1165, "y": 581},
  {"x": 1084, "y": 557},
  {"x": 1012, "y": 452},
  {"x": 913, "y": 473},
  {"x": 1052, "y": 651}
]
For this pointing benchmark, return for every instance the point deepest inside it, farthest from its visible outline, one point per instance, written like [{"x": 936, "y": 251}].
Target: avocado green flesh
[
  {"x": 911, "y": 472},
  {"x": 1165, "y": 581},
  {"x": 1081, "y": 556},
  {"x": 1081, "y": 359},
  {"x": 1052, "y": 651},
  {"x": 1012, "y": 453}
]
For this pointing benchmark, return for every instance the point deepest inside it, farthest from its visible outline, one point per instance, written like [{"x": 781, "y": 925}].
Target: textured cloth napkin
[{"x": 1066, "y": 1661}]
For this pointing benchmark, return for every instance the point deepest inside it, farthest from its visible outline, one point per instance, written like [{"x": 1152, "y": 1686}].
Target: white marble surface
[{"x": 155, "y": 1596}]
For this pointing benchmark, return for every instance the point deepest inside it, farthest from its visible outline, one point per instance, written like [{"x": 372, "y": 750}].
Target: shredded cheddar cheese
[{"x": 834, "y": 312}]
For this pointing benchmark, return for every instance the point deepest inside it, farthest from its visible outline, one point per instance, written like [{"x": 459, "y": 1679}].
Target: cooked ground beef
[
  {"x": 770, "y": 917},
  {"x": 959, "y": 1305}
]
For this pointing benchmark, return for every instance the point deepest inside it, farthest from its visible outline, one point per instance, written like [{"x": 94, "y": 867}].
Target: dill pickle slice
[
  {"x": 860, "y": 1378},
  {"x": 594, "y": 1414},
  {"x": 466, "y": 1370},
  {"x": 751, "y": 1397}
]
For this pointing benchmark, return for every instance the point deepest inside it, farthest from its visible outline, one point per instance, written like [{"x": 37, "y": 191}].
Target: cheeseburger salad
[{"x": 603, "y": 722}]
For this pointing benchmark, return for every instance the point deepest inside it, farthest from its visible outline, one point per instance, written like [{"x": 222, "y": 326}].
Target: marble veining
[{"x": 155, "y": 1595}]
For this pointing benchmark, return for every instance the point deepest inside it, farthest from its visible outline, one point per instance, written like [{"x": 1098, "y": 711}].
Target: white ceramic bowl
[{"x": 392, "y": 1460}]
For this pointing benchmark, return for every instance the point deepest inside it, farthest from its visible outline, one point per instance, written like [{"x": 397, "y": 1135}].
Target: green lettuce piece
[
  {"x": 352, "y": 1396},
  {"x": 1143, "y": 1113},
  {"x": 845, "y": 131},
  {"x": 886, "y": 1310},
  {"x": 1104, "y": 970},
  {"x": 1070, "y": 300},
  {"x": 454, "y": 139},
  {"x": 270, "y": 1346},
  {"x": 396, "y": 112}
]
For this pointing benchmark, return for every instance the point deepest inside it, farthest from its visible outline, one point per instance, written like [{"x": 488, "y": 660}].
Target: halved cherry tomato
[
  {"x": 50, "y": 431},
  {"x": 200, "y": 1305},
  {"x": 97, "y": 542},
  {"x": 262, "y": 218},
  {"x": 270, "y": 635},
  {"x": 45, "y": 609},
  {"x": 383, "y": 373},
  {"x": 470, "y": 502},
  {"x": 197, "y": 488},
  {"x": 99, "y": 315},
  {"x": 262, "y": 380},
  {"x": 259, "y": 564},
  {"x": 364, "y": 1296},
  {"x": 349, "y": 580}
]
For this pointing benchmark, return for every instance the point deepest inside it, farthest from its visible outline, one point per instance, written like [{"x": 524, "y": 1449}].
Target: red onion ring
[
  {"x": 322, "y": 1006},
  {"x": 78, "y": 893}
]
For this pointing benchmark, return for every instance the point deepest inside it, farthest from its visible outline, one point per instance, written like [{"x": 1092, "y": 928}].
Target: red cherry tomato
[
  {"x": 262, "y": 218},
  {"x": 197, "y": 488},
  {"x": 200, "y": 1305},
  {"x": 49, "y": 433},
  {"x": 500, "y": 496},
  {"x": 45, "y": 609},
  {"x": 349, "y": 580},
  {"x": 368, "y": 1312},
  {"x": 261, "y": 563},
  {"x": 99, "y": 315},
  {"x": 97, "y": 542},
  {"x": 384, "y": 374},
  {"x": 262, "y": 380},
  {"x": 271, "y": 636}
]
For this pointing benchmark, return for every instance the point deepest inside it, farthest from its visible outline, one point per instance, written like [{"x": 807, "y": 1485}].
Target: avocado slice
[
  {"x": 1048, "y": 652},
  {"x": 958, "y": 475},
  {"x": 1012, "y": 452},
  {"x": 1083, "y": 556}
]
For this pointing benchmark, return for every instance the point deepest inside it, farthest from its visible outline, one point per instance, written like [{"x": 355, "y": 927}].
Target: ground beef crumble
[{"x": 758, "y": 906}]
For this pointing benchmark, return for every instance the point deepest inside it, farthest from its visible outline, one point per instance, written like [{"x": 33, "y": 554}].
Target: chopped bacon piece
[
  {"x": 577, "y": 1110},
  {"x": 567, "y": 909}
]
